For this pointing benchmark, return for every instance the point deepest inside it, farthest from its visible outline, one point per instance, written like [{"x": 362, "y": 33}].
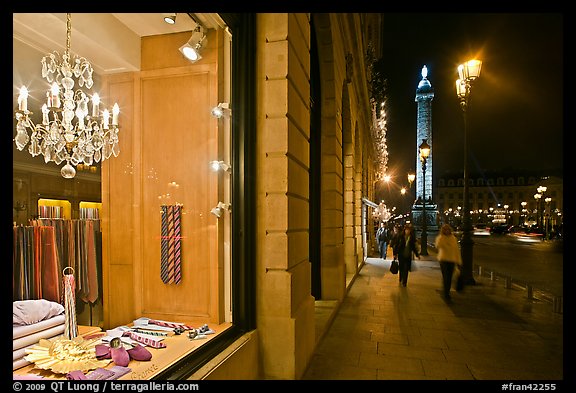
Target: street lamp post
[
  {"x": 468, "y": 73},
  {"x": 547, "y": 224},
  {"x": 424, "y": 153},
  {"x": 411, "y": 178},
  {"x": 541, "y": 190},
  {"x": 523, "y": 203},
  {"x": 538, "y": 197}
]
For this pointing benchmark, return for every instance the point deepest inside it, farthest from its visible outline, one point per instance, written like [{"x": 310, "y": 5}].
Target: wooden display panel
[{"x": 168, "y": 137}]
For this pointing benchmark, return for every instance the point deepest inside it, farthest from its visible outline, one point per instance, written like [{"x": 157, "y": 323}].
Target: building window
[
  {"x": 510, "y": 181},
  {"x": 451, "y": 183},
  {"x": 480, "y": 181},
  {"x": 520, "y": 180}
]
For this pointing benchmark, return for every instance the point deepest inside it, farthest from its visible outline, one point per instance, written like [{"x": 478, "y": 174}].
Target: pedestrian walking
[
  {"x": 405, "y": 248},
  {"x": 382, "y": 239},
  {"x": 448, "y": 256},
  {"x": 394, "y": 238}
]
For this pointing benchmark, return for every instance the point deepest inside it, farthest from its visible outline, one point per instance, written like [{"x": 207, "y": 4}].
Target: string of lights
[{"x": 379, "y": 136}]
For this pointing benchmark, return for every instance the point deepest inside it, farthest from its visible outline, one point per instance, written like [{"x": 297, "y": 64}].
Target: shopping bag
[
  {"x": 394, "y": 267},
  {"x": 457, "y": 276}
]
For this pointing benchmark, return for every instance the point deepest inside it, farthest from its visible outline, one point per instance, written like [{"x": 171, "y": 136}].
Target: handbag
[{"x": 394, "y": 267}]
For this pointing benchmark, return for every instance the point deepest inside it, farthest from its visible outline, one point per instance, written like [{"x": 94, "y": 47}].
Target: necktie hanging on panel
[
  {"x": 170, "y": 246},
  {"x": 177, "y": 272}
]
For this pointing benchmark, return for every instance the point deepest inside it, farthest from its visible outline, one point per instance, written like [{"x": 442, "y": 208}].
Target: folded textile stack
[{"x": 34, "y": 320}]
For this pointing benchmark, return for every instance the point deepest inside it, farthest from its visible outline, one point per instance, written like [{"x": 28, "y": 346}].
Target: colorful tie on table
[
  {"x": 170, "y": 244},
  {"x": 145, "y": 340},
  {"x": 170, "y": 324}
]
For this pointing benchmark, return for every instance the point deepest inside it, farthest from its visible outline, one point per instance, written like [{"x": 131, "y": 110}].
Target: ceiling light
[
  {"x": 68, "y": 131},
  {"x": 170, "y": 18},
  {"x": 191, "y": 49}
]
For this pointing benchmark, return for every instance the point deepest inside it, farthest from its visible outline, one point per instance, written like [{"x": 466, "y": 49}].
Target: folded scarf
[{"x": 27, "y": 312}]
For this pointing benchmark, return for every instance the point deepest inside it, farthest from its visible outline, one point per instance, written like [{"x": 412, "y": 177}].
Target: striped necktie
[
  {"x": 145, "y": 340},
  {"x": 176, "y": 266},
  {"x": 170, "y": 263},
  {"x": 170, "y": 324}
]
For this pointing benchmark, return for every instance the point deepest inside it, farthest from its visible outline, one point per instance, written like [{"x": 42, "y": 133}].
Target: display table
[
  {"x": 84, "y": 331},
  {"x": 177, "y": 347}
]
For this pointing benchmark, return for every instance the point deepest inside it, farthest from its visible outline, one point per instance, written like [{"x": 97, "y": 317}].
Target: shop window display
[{"x": 151, "y": 233}]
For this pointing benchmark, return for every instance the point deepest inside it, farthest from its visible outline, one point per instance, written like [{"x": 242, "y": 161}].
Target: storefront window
[{"x": 161, "y": 231}]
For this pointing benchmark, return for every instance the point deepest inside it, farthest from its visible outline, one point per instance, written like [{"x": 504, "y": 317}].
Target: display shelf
[{"x": 64, "y": 205}]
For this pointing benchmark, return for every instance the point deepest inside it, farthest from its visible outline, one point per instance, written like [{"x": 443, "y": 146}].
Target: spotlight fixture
[
  {"x": 216, "y": 165},
  {"x": 219, "y": 209},
  {"x": 220, "y": 110},
  {"x": 170, "y": 18},
  {"x": 191, "y": 49}
]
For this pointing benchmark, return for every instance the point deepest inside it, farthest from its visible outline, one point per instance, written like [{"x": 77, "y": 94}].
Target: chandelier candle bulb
[
  {"x": 95, "y": 104},
  {"x": 45, "y": 112},
  {"x": 23, "y": 99},
  {"x": 106, "y": 119},
  {"x": 55, "y": 99},
  {"x": 115, "y": 112}
]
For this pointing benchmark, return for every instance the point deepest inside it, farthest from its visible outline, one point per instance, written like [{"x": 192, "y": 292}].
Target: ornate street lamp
[
  {"x": 467, "y": 73},
  {"x": 424, "y": 154},
  {"x": 538, "y": 197},
  {"x": 547, "y": 224},
  {"x": 411, "y": 177}
]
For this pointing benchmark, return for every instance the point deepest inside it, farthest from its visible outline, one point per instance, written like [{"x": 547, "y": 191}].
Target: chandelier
[{"x": 68, "y": 131}]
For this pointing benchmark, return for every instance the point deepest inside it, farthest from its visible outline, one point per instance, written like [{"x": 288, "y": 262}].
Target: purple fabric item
[
  {"x": 120, "y": 356},
  {"x": 99, "y": 374},
  {"x": 139, "y": 353},
  {"x": 76, "y": 375},
  {"x": 102, "y": 351},
  {"x": 119, "y": 371}
]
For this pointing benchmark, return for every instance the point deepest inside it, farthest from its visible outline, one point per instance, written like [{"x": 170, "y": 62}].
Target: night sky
[{"x": 515, "y": 118}]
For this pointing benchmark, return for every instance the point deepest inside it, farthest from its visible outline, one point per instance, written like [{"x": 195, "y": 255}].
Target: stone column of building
[{"x": 285, "y": 307}]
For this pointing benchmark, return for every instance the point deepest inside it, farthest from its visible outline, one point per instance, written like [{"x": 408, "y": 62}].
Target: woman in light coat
[{"x": 448, "y": 256}]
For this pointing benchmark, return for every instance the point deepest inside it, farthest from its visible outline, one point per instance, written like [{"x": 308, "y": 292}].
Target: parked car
[
  {"x": 499, "y": 230},
  {"x": 527, "y": 234},
  {"x": 481, "y": 230}
]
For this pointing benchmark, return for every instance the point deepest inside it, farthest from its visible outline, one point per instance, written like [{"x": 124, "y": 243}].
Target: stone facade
[{"x": 285, "y": 306}]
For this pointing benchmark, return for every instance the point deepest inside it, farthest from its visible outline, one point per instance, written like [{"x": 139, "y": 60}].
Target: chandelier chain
[{"x": 68, "y": 32}]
